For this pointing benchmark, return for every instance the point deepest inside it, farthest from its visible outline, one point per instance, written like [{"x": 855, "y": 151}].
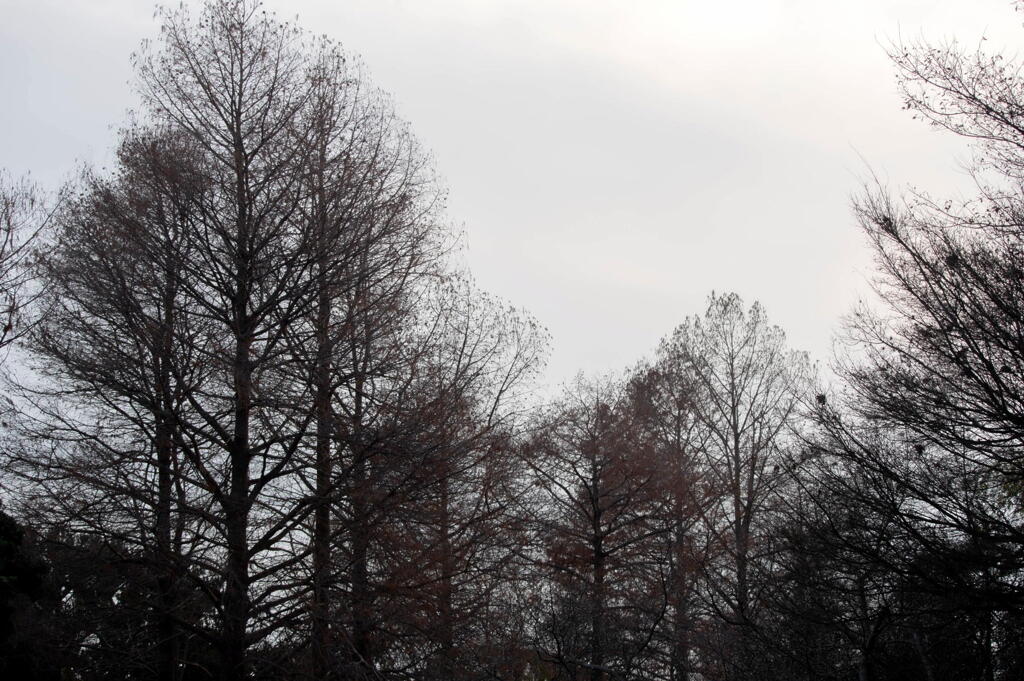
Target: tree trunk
[
  {"x": 236, "y": 512},
  {"x": 597, "y": 623},
  {"x": 680, "y": 650},
  {"x": 320, "y": 642},
  {"x": 167, "y": 565},
  {"x": 922, "y": 654},
  {"x": 446, "y": 625},
  {"x": 863, "y": 669},
  {"x": 237, "y": 503},
  {"x": 167, "y": 634},
  {"x": 322, "y": 513},
  {"x": 236, "y": 591},
  {"x": 360, "y": 534}
]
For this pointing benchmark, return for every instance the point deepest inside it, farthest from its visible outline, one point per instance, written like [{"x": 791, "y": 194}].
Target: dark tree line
[{"x": 259, "y": 425}]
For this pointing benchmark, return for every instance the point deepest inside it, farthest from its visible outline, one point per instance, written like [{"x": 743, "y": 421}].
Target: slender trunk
[
  {"x": 237, "y": 503},
  {"x": 742, "y": 577},
  {"x": 680, "y": 651},
  {"x": 681, "y": 644},
  {"x": 361, "y": 596},
  {"x": 990, "y": 671},
  {"x": 741, "y": 524},
  {"x": 361, "y": 625},
  {"x": 360, "y": 534},
  {"x": 597, "y": 623},
  {"x": 320, "y": 611},
  {"x": 446, "y": 625},
  {"x": 922, "y": 655},
  {"x": 864, "y": 669},
  {"x": 236, "y": 511},
  {"x": 167, "y": 630},
  {"x": 167, "y": 634},
  {"x": 321, "y": 516}
]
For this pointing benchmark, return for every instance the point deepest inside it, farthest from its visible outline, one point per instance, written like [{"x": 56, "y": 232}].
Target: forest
[{"x": 258, "y": 422}]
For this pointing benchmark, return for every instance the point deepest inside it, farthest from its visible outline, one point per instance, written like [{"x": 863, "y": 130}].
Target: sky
[{"x": 611, "y": 162}]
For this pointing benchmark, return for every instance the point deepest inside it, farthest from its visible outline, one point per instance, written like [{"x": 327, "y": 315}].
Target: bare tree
[
  {"x": 235, "y": 81},
  {"x": 930, "y": 421},
  {"x": 117, "y": 348},
  {"x": 748, "y": 385},
  {"x": 665, "y": 396},
  {"x": 370, "y": 203},
  {"x": 468, "y": 406},
  {"x": 597, "y": 508}
]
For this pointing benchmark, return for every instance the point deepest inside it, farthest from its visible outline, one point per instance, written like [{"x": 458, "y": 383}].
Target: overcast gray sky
[{"x": 612, "y": 161}]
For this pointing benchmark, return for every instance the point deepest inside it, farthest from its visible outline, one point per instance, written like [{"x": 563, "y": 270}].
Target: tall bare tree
[
  {"x": 665, "y": 394},
  {"x": 746, "y": 389},
  {"x": 467, "y": 406},
  {"x": 930, "y": 421},
  {"x": 117, "y": 345},
  {"x": 371, "y": 204},
  {"x": 234, "y": 80},
  {"x": 597, "y": 513}
]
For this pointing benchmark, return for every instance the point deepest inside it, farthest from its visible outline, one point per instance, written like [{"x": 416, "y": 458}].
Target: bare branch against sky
[{"x": 601, "y": 155}]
